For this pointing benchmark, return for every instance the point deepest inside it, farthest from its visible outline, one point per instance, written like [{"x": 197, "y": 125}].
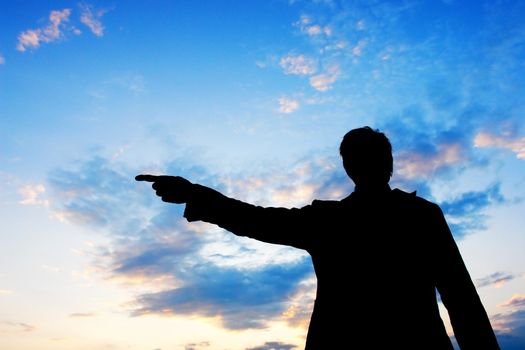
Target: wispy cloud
[
  {"x": 153, "y": 244},
  {"x": 306, "y": 25},
  {"x": 516, "y": 301},
  {"x": 59, "y": 25},
  {"x": 91, "y": 18},
  {"x": 515, "y": 144},
  {"x": 197, "y": 346},
  {"x": 287, "y": 105},
  {"x": 297, "y": 64},
  {"x": 32, "y": 195},
  {"x": 357, "y": 50},
  {"x": 9, "y": 326},
  {"x": 82, "y": 315},
  {"x": 497, "y": 279},
  {"x": 243, "y": 298},
  {"x": 465, "y": 213},
  {"x": 32, "y": 38},
  {"x": 2, "y": 59},
  {"x": 325, "y": 80},
  {"x": 6, "y": 292},
  {"x": 510, "y": 325},
  {"x": 185, "y": 271},
  {"x": 274, "y": 345},
  {"x": 413, "y": 164}
]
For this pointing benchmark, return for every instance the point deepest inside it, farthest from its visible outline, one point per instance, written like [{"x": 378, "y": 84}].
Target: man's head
[{"x": 367, "y": 156}]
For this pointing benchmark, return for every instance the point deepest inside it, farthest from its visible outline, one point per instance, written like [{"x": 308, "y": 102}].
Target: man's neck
[{"x": 372, "y": 189}]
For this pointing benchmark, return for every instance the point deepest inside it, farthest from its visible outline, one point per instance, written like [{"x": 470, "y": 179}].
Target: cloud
[
  {"x": 2, "y": 59},
  {"x": 426, "y": 163},
  {"x": 243, "y": 298},
  {"x": 425, "y": 149},
  {"x": 297, "y": 64},
  {"x": 313, "y": 30},
  {"x": 169, "y": 261},
  {"x": 497, "y": 279},
  {"x": 357, "y": 50},
  {"x": 6, "y": 292},
  {"x": 196, "y": 346},
  {"x": 32, "y": 38},
  {"x": 517, "y": 300},
  {"x": 91, "y": 18},
  {"x": 301, "y": 304},
  {"x": 59, "y": 25},
  {"x": 510, "y": 329},
  {"x": 8, "y": 326},
  {"x": 287, "y": 105},
  {"x": 273, "y": 345},
  {"x": 323, "y": 82},
  {"x": 86, "y": 196},
  {"x": 179, "y": 268},
  {"x": 31, "y": 195},
  {"x": 471, "y": 202},
  {"x": 82, "y": 315},
  {"x": 512, "y": 143},
  {"x": 465, "y": 213}
]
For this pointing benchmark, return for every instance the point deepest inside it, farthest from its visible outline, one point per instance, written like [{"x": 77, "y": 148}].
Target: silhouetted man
[{"x": 379, "y": 255}]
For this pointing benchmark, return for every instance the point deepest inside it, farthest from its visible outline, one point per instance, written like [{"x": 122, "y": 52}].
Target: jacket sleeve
[
  {"x": 468, "y": 317},
  {"x": 268, "y": 224}
]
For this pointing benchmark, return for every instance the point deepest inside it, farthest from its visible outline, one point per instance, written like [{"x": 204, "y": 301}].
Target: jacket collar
[{"x": 372, "y": 190}]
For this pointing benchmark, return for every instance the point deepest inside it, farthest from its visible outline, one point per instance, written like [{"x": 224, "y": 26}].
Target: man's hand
[{"x": 172, "y": 189}]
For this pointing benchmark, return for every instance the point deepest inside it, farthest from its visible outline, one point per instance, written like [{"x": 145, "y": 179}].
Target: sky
[{"x": 251, "y": 98}]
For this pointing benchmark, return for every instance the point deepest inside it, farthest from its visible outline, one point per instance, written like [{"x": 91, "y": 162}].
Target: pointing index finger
[{"x": 146, "y": 177}]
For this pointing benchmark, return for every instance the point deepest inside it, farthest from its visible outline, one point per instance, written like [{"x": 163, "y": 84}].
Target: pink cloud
[
  {"x": 32, "y": 38},
  {"x": 91, "y": 18},
  {"x": 324, "y": 81},
  {"x": 514, "y": 144},
  {"x": 517, "y": 300},
  {"x": 287, "y": 105},
  {"x": 297, "y": 64},
  {"x": 414, "y": 164}
]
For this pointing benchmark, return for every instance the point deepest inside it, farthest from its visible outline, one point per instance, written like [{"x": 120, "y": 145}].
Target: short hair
[{"x": 367, "y": 154}]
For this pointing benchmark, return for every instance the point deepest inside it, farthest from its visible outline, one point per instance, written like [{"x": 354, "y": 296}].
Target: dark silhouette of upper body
[{"x": 379, "y": 255}]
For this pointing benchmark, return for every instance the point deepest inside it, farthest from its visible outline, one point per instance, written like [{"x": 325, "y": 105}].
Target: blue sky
[{"x": 251, "y": 98}]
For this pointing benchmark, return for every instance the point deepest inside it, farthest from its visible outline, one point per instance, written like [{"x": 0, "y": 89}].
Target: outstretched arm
[{"x": 272, "y": 225}]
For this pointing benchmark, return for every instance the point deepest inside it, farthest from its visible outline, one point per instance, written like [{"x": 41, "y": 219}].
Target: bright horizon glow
[{"x": 251, "y": 98}]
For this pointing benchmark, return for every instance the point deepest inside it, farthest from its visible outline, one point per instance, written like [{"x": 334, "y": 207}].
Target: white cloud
[
  {"x": 260, "y": 64},
  {"x": 5, "y": 292},
  {"x": 304, "y": 20},
  {"x": 324, "y": 81},
  {"x": 360, "y": 25},
  {"x": 287, "y": 105},
  {"x": 2, "y": 59},
  {"x": 314, "y": 30},
  {"x": 306, "y": 26},
  {"x": 358, "y": 49},
  {"x": 297, "y": 64},
  {"x": 515, "y": 144},
  {"x": 91, "y": 18},
  {"x": 31, "y": 195},
  {"x": 32, "y": 38}
]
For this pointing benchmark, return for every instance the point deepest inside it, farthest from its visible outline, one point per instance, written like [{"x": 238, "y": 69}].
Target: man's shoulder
[
  {"x": 413, "y": 199},
  {"x": 325, "y": 204}
]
